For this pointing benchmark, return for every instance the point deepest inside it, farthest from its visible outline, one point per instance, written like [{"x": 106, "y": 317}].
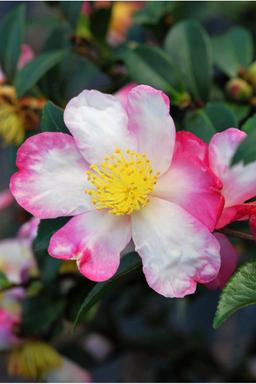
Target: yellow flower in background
[
  {"x": 17, "y": 115},
  {"x": 33, "y": 360},
  {"x": 121, "y": 19}
]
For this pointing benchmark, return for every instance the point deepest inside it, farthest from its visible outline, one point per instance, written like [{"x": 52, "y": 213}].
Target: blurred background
[{"x": 131, "y": 334}]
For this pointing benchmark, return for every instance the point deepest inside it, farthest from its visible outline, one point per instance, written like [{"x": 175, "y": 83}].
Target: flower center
[{"x": 122, "y": 182}]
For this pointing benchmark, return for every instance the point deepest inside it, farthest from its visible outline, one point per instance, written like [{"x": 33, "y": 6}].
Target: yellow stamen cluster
[
  {"x": 122, "y": 183},
  {"x": 33, "y": 360}
]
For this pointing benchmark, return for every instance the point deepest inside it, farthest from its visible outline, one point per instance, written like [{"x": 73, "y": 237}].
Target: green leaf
[
  {"x": 239, "y": 292},
  {"x": 11, "y": 31},
  {"x": 40, "y": 312},
  {"x": 250, "y": 124},
  {"x": 52, "y": 119},
  {"x": 246, "y": 151},
  {"x": 189, "y": 47},
  {"x": 71, "y": 10},
  {"x": 72, "y": 76},
  {"x": 216, "y": 116},
  {"x": 152, "y": 12},
  {"x": 240, "y": 111},
  {"x": 199, "y": 123},
  {"x": 28, "y": 76},
  {"x": 48, "y": 266},
  {"x": 129, "y": 263},
  {"x": 4, "y": 282},
  {"x": 221, "y": 115},
  {"x": 233, "y": 50},
  {"x": 150, "y": 65}
]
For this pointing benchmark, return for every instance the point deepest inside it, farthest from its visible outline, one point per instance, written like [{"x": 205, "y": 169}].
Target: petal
[
  {"x": 239, "y": 182},
  {"x": 191, "y": 184},
  {"x": 189, "y": 144},
  {"x": 149, "y": 120},
  {"x": 16, "y": 260},
  {"x": 229, "y": 259},
  {"x": 28, "y": 231},
  {"x": 51, "y": 180},
  {"x": 177, "y": 251},
  {"x": 122, "y": 93},
  {"x": 99, "y": 125},
  {"x": 95, "y": 239}
]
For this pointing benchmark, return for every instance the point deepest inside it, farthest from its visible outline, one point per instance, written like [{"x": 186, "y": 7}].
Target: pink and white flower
[
  {"x": 16, "y": 256},
  {"x": 239, "y": 181},
  {"x": 140, "y": 183},
  {"x": 239, "y": 185},
  {"x": 8, "y": 321}
]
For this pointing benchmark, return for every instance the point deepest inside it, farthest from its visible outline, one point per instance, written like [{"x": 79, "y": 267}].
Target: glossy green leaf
[
  {"x": 239, "y": 292},
  {"x": 28, "y": 76},
  {"x": 152, "y": 12},
  {"x": 150, "y": 65},
  {"x": 188, "y": 46},
  {"x": 199, "y": 123},
  {"x": 52, "y": 119},
  {"x": 249, "y": 125},
  {"x": 70, "y": 77},
  {"x": 40, "y": 312},
  {"x": 221, "y": 115},
  {"x": 240, "y": 111},
  {"x": 11, "y": 31},
  {"x": 4, "y": 282},
  {"x": 71, "y": 10},
  {"x": 129, "y": 263},
  {"x": 216, "y": 116},
  {"x": 48, "y": 266},
  {"x": 233, "y": 50}
]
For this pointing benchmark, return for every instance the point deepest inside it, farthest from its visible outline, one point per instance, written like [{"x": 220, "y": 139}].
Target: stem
[{"x": 234, "y": 233}]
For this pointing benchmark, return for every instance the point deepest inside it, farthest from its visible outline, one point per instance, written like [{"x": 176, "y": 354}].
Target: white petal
[
  {"x": 151, "y": 123},
  {"x": 99, "y": 125},
  {"x": 177, "y": 251},
  {"x": 51, "y": 180}
]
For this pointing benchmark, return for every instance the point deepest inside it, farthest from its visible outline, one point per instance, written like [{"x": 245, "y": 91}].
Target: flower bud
[
  {"x": 251, "y": 74},
  {"x": 183, "y": 100},
  {"x": 239, "y": 89}
]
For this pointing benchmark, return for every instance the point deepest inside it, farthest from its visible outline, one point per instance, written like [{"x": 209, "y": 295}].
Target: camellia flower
[
  {"x": 16, "y": 257},
  {"x": 239, "y": 181},
  {"x": 124, "y": 175},
  {"x": 239, "y": 185},
  {"x": 8, "y": 321}
]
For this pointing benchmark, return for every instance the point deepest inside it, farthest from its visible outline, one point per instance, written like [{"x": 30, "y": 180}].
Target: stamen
[{"x": 122, "y": 183}]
